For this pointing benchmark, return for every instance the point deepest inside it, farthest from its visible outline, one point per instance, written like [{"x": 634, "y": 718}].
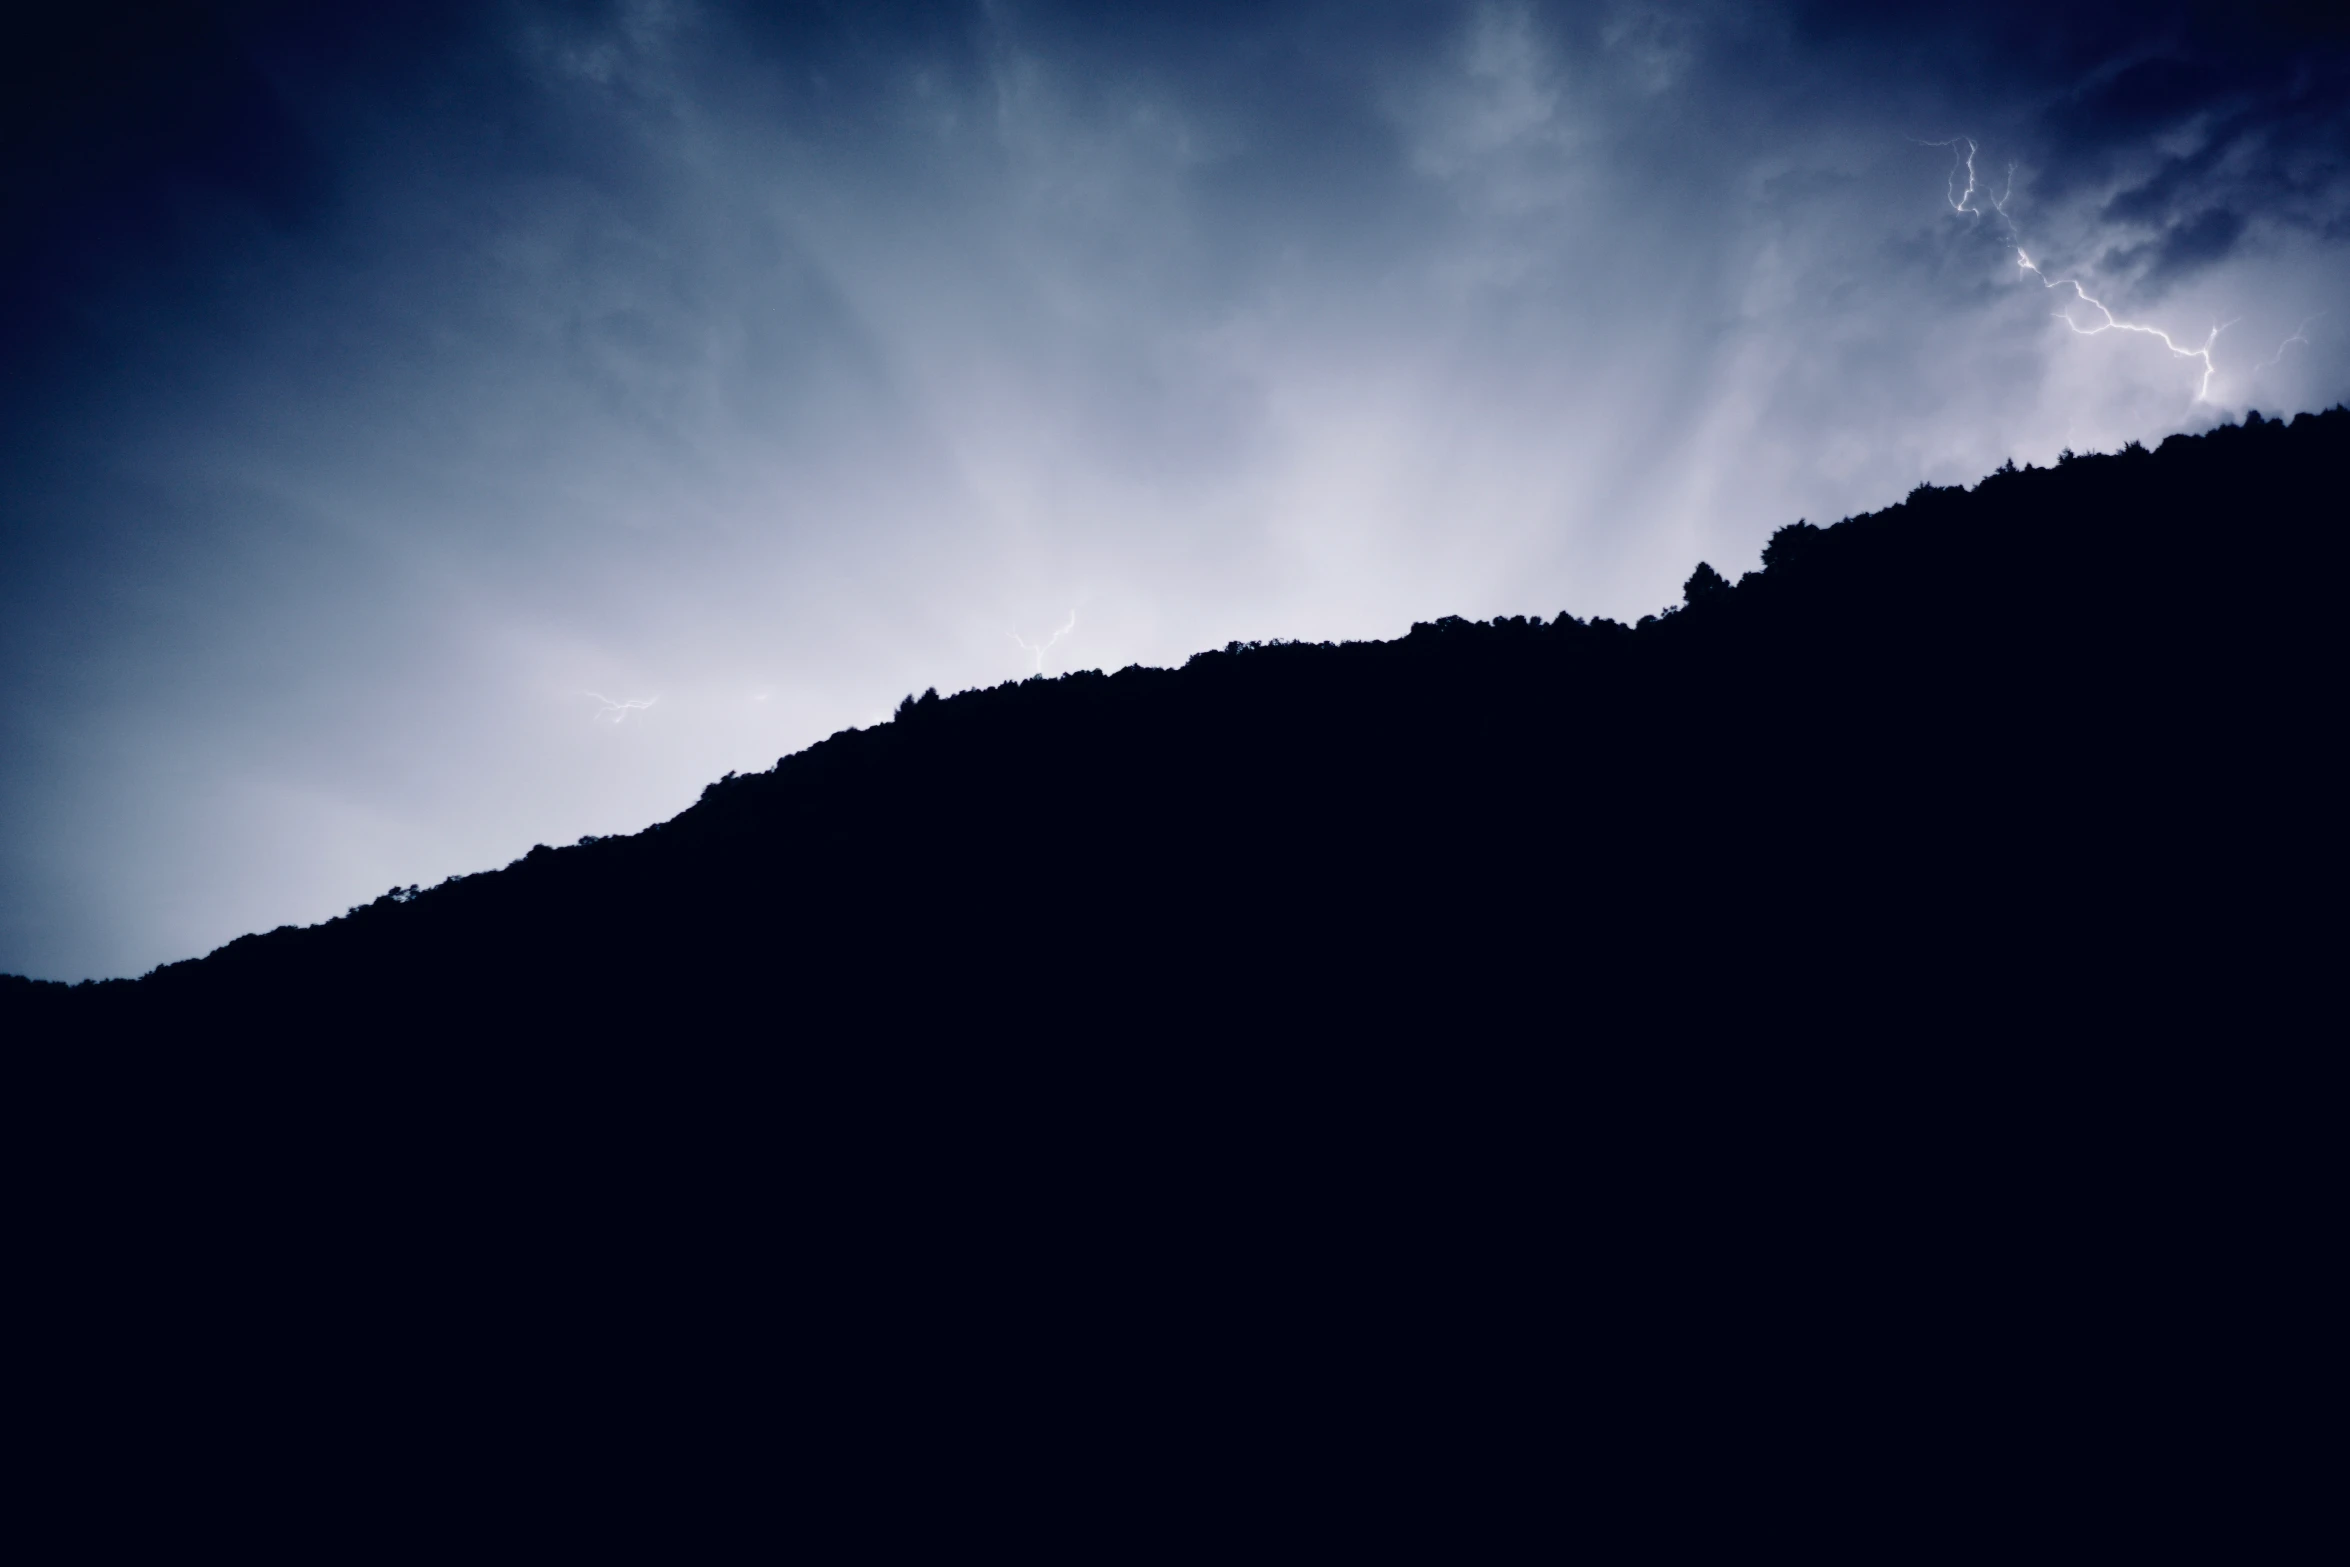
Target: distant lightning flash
[
  {"x": 2299, "y": 336},
  {"x": 618, "y": 711},
  {"x": 1964, "y": 202},
  {"x": 1037, "y": 649}
]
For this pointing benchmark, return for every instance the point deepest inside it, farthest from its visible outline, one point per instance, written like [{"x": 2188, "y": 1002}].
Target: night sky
[{"x": 428, "y": 437}]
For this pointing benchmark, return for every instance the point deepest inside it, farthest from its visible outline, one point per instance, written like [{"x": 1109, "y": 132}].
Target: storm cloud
[{"x": 393, "y": 403}]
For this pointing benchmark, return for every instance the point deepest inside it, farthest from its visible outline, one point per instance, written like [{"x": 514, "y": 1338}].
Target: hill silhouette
[
  {"x": 1854, "y": 1027},
  {"x": 2046, "y": 743}
]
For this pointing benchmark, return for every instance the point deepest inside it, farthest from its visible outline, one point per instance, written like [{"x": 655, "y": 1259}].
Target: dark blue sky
[{"x": 391, "y": 404}]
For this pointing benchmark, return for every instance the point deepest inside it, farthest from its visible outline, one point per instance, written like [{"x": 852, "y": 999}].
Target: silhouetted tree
[{"x": 1789, "y": 543}]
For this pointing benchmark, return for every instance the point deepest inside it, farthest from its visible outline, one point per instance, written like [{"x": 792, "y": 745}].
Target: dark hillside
[
  {"x": 2040, "y": 750},
  {"x": 1854, "y": 1039}
]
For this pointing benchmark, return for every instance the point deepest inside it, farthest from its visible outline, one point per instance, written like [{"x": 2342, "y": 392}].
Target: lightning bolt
[
  {"x": 2113, "y": 323},
  {"x": 2107, "y": 321},
  {"x": 618, "y": 711},
  {"x": 1037, "y": 649},
  {"x": 1962, "y": 202},
  {"x": 2298, "y": 337}
]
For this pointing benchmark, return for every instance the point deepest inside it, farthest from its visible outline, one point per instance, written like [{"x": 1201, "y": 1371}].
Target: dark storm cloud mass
[
  {"x": 383, "y": 386},
  {"x": 2182, "y": 249}
]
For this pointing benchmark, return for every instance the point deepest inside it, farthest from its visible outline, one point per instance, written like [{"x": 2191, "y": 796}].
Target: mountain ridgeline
[{"x": 2048, "y": 748}]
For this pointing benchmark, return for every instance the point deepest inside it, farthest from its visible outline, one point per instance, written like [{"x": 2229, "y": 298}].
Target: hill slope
[
  {"x": 1515, "y": 1040},
  {"x": 2037, "y": 743}
]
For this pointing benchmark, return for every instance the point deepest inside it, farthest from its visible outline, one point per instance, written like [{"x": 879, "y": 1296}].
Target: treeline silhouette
[
  {"x": 1855, "y": 1026},
  {"x": 2038, "y": 750}
]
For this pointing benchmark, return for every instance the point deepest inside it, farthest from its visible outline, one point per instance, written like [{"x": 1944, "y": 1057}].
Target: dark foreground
[{"x": 1390, "y": 1082}]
